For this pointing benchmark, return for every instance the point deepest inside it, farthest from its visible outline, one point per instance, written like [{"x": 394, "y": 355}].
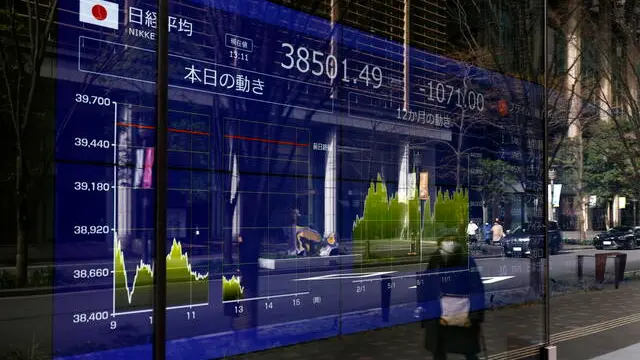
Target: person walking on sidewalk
[
  {"x": 452, "y": 301},
  {"x": 487, "y": 233},
  {"x": 497, "y": 231},
  {"x": 472, "y": 229}
]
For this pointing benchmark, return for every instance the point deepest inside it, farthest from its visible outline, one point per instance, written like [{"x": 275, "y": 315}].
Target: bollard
[
  {"x": 580, "y": 266},
  {"x": 420, "y": 288},
  {"x": 620, "y": 264},
  {"x": 385, "y": 300},
  {"x": 535, "y": 276},
  {"x": 601, "y": 265}
]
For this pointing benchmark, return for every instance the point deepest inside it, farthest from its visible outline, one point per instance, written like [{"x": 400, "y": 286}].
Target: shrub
[
  {"x": 7, "y": 279},
  {"x": 231, "y": 289},
  {"x": 383, "y": 217}
]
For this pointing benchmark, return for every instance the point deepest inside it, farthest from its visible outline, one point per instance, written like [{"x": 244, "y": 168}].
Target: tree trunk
[
  {"x": 22, "y": 248},
  {"x": 485, "y": 215},
  {"x": 581, "y": 209},
  {"x": 458, "y": 164},
  {"x": 523, "y": 208}
]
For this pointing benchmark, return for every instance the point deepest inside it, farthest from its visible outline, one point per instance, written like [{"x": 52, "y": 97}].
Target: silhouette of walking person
[{"x": 453, "y": 300}]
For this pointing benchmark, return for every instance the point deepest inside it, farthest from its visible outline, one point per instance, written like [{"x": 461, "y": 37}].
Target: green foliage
[
  {"x": 565, "y": 163},
  {"x": 428, "y": 223},
  {"x": 32, "y": 352},
  {"x": 451, "y": 213},
  {"x": 41, "y": 277},
  {"x": 394, "y": 220},
  {"x": 37, "y": 278},
  {"x": 382, "y": 218},
  {"x": 607, "y": 167},
  {"x": 386, "y": 218},
  {"x": 414, "y": 227},
  {"x": 231, "y": 289},
  {"x": 7, "y": 279},
  {"x": 495, "y": 177}
]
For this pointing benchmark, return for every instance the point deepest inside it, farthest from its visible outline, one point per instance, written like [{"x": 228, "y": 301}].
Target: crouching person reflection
[{"x": 453, "y": 300}]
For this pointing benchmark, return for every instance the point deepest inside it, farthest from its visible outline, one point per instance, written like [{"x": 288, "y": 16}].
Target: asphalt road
[{"x": 281, "y": 298}]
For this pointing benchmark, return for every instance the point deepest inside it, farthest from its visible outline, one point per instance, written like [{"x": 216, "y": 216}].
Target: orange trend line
[
  {"x": 170, "y": 129},
  {"x": 239, "y": 137}
]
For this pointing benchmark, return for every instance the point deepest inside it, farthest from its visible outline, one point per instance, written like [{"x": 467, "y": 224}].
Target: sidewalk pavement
[
  {"x": 620, "y": 343},
  {"x": 575, "y": 235},
  {"x": 577, "y": 247},
  {"x": 511, "y": 332}
]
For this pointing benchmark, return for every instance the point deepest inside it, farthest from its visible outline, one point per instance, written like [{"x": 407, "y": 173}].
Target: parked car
[
  {"x": 528, "y": 237},
  {"x": 618, "y": 237}
]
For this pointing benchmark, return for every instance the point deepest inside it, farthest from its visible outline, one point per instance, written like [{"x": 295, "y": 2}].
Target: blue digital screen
[{"x": 283, "y": 129}]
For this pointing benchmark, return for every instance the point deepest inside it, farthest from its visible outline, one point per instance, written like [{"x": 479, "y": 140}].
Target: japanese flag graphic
[{"x": 101, "y": 13}]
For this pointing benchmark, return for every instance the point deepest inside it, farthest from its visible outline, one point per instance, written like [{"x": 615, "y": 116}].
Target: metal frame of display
[
  {"x": 160, "y": 268},
  {"x": 549, "y": 351},
  {"x": 160, "y": 288}
]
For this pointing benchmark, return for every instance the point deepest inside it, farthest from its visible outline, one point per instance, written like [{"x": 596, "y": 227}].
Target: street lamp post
[
  {"x": 552, "y": 177},
  {"x": 416, "y": 240}
]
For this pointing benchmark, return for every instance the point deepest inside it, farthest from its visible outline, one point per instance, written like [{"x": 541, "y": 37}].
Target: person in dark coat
[
  {"x": 487, "y": 233},
  {"x": 451, "y": 283}
]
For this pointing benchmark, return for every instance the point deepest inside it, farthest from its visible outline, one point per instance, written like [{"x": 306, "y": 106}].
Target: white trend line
[{"x": 177, "y": 246}]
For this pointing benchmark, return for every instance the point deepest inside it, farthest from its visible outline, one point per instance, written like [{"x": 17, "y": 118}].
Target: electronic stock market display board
[{"x": 311, "y": 168}]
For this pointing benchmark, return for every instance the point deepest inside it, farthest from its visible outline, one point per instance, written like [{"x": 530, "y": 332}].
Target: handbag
[{"x": 455, "y": 310}]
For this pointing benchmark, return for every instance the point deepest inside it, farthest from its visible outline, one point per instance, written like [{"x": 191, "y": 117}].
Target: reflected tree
[
  {"x": 26, "y": 32},
  {"x": 496, "y": 181}
]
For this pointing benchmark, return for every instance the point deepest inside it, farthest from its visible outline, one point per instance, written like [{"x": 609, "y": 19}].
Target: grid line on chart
[
  {"x": 232, "y": 119},
  {"x": 168, "y": 228},
  {"x": 260, "y": 227},
  {"x": 267, "y": 141},
  {"x": 190, "y": 139},
  {"x": 264, "y": 193},
  {"x": 170, "y": 150},
  {"x": 152, "y": 188},
  {"x": 309, "y": 208},
  {"x": 293, "y": 149},
  {"x": 191, "y": 179},
  {"x": 174, "y": 130},
  {"x": 150, "y": 310},
  {"x": 271, "y": 158},
  {"x": 269, "y": 145}
]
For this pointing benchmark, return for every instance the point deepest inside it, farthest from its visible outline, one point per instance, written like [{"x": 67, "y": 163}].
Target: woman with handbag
[{"x": 453, "y": 302}]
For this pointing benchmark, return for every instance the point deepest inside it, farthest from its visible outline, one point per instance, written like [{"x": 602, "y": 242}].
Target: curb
[
  {"x": 577, "y": 247},
  {"x": 632, "y": 273},
  {"x": 9, "y": 293}
]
